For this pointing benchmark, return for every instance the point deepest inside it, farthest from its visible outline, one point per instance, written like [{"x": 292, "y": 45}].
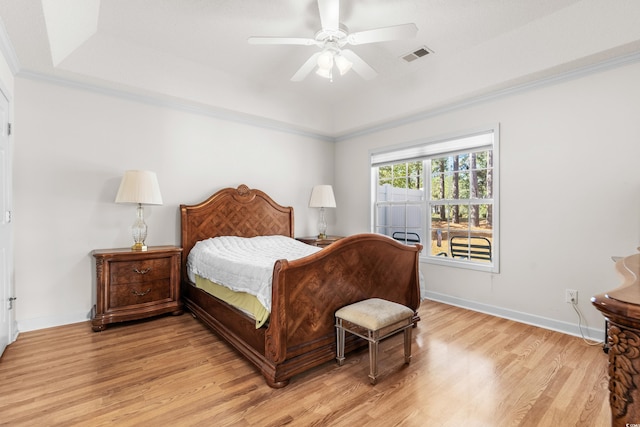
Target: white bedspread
[{"x": 244, "y": 264}]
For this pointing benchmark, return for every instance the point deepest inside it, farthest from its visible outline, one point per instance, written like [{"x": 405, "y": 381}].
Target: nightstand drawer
[
  {"x": 140, "y": 271},
  {"x": 125, "y": 295}
]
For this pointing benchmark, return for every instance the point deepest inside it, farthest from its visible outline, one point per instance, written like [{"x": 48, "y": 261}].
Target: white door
[{"x": 6, "y": 264}]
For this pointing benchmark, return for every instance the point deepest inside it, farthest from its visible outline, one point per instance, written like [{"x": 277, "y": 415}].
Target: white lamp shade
[
  {"x": 344, "y": 65},
  {"x": 322, "y": 197},
  {"x": 324, "y": 73},
  {"x": 325, "y": 60},
  {"x": 139, "y": 187}
]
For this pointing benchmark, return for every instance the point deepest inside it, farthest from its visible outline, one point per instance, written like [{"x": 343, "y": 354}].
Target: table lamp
[
  {"x": 322, "y": 197},
  {"x": 139, "y": 187}
]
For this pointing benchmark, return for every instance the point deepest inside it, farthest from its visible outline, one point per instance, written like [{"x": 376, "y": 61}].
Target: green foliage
[
  {"x": 402, "y": 175},
  {"x": 451, "y": 179},
  {"x": 458, "y": 184},
  {"x": 444, "y": 173}
]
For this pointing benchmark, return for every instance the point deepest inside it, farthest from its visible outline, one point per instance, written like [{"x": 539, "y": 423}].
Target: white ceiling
[{"x": 195, "y": 52}]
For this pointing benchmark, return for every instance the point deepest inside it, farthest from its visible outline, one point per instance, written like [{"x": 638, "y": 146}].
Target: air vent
[{"x": 417, "y": 54}]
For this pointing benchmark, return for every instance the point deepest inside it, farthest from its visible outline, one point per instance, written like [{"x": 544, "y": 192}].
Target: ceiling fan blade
[
  {"x": 359, "y": 66},
  {"x": 282, "y": 40},
  {"x": 396, "y": 32},
  {"x": 329, "y": 14},
  {"x": 306, "y": 68}
]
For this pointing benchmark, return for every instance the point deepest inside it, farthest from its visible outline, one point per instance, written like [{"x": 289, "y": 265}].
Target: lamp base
[
  {"x": 139, "y": 247},
  {"x": 322, "y": 226},
  {"x": 139, "y": 230}
]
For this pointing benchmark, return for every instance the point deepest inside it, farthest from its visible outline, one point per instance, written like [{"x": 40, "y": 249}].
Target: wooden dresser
[
  {"x": 621, "y": 309},
  {"x": 133, "y": 285}
]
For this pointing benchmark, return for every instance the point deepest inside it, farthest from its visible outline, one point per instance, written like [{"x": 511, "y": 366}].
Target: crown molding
[
  {"x": 6, "y": 47},
  {"x": 159, "y": 100},
  {"x": 493, "y": 95},
  {"x": 276, "y": 125}
]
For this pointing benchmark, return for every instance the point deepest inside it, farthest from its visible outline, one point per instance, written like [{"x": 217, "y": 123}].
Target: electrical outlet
[{"x": 571, "y": 296}]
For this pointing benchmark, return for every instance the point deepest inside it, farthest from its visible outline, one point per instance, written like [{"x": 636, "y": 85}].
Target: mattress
[
  {"x": 243, "y": 301},
  {"x": 242, "y": 264}
]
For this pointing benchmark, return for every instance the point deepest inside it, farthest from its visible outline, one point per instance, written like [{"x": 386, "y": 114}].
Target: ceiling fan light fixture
[
  {"x": 325, "y": 60},
  {"x": 343, "y": 64},
  {"x": 326, "y": 73},
  {"x": 332, "y": 39}
]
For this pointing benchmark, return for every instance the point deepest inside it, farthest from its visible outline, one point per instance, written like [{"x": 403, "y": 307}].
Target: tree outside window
[
  {"x": 461, "y": 205},
  {"x": 442, "y": 195}
]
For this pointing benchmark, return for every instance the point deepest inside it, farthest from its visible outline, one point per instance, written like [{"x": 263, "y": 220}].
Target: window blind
[{"x": 438, "y": 148}]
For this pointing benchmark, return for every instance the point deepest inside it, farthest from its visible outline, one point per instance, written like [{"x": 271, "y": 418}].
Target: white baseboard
[
  {"x": 592, "y": 334},
  {"x": 50, "y": 322},
  {"x": 529, "y": 319}
]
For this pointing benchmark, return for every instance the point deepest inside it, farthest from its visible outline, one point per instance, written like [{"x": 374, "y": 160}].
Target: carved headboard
[{"x": 233, "y": 212}]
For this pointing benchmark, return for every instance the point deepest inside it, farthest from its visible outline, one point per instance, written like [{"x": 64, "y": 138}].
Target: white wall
[
  {"x": 570, "y": 195},
  {"x": 575, "y": 143},
  {"x": 71, "y": 149}
]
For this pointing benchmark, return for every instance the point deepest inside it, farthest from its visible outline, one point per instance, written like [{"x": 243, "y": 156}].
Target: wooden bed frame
[{"x": 306, "y": 292}]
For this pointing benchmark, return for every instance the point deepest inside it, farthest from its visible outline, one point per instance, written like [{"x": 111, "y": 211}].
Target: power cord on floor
[{"x": 580, "y": 319}]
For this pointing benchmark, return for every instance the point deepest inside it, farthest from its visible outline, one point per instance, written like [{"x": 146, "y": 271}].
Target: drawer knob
[
  {"x": 140, "y": 294},
  {"x": 145, "y": 271}
]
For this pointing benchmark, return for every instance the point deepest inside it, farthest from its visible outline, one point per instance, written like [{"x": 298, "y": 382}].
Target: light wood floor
[{"x": 468, "y": 369}]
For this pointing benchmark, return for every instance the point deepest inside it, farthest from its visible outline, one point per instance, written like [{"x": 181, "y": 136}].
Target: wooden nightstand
[
  {"x": 134, "y": 285},
  {"x": 315, "y": 241}
]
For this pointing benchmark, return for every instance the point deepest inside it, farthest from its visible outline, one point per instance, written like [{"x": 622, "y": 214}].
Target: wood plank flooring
[{"x": 468, "y": 369}]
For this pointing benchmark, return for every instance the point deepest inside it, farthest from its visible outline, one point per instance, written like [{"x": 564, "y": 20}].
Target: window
[{"x": 442, "y": 194}]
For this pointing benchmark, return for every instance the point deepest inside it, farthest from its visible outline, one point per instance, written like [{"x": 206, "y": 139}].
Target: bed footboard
[{"x": 308, "y": 291}]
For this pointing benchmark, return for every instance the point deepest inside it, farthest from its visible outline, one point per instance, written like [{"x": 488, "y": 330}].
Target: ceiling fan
[{"x": 332, "y": 39}]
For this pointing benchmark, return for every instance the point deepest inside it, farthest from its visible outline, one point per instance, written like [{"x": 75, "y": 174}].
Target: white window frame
[{"x": 462, "y": 142}]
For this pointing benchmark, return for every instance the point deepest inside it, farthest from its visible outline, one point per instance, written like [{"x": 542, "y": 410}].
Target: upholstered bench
[{"x": 374, "y": 319}]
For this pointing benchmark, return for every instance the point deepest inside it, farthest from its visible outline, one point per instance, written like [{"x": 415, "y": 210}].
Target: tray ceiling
[{"x": 196, "y": 52}]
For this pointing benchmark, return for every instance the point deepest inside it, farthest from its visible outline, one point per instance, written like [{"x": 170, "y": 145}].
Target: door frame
[{"x": 7, "y": 305}]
